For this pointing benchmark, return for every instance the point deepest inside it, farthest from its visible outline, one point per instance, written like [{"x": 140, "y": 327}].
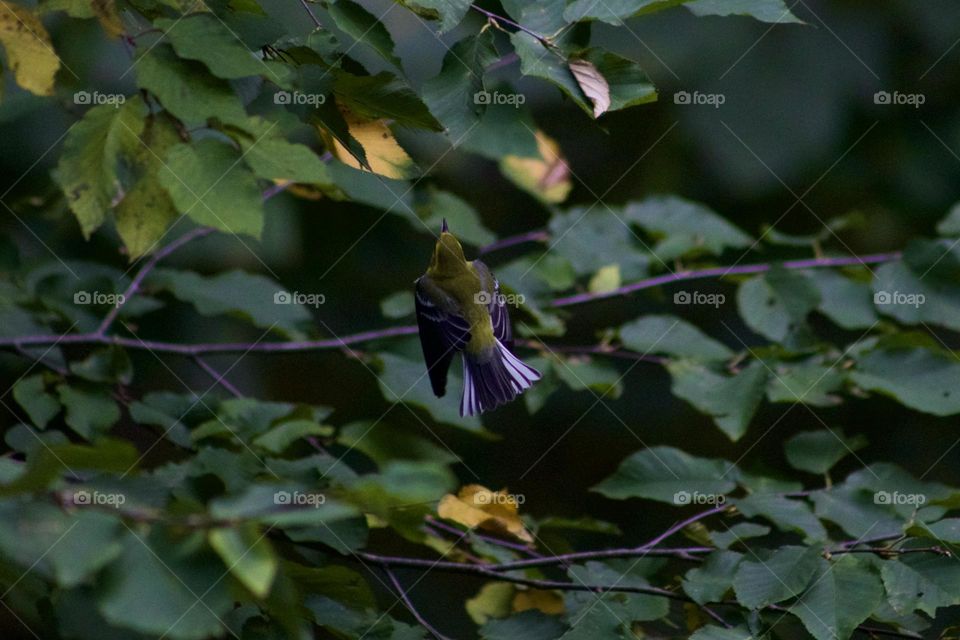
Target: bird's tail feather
[{"x": 495, "y": 380}]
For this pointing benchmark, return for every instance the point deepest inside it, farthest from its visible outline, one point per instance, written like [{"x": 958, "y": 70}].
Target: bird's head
[{"x": 448, "y": 258}]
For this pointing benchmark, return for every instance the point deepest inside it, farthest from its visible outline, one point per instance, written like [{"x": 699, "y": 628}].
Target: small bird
[{"x": 460, "y": 308}]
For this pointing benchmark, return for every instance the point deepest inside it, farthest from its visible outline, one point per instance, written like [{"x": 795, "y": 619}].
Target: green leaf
[
  {"x": 383, "y": 96},
  {"x": 448, "y": 12},
  {"x": 731, "y": 401},
  {"x": 672, "y": 336},
  {"x": 818, "y": 451},
  {"x": 453, "y": 93},
  {"x": 615, "y": 11},
  {"x": 536, "y": 60},
  {"x": 775, "y": 305},
  {"x": 204, "y": 37},
  {"x": 47, "y": 463},
  {"x": 251, "y": 296},
  {"x": 810, "y": 381},
  {"x": 248, "y": 556},
  {"x": 946, "y": 530},
  {"x": 950, "y": 224},
  {"x": 529, "y": 625},
  {"x": 842, "y": 596},
  {"x": 207, "y": 182},
  {"x": 403, "y": 380},
  {"x": 402, "y": 494},
  {"x": 737, "y": 534},
  {"x": 67, "y": 548},
  {"x": 921, "y": 379},
  {"x": 774, "y": 577},
  {"x": 363, "y": 26},
  {"x": 786, "y": 514},
  {"x": 90, "y": 412},
  {"x": 283, "y": 435},
  {"x": 683, "y": 227},
  {"x": 382, "y": 443},
  {"x": 913, "y": 290},
  {"x": 110, "y": 364},
  {"x": 583, "y": 373},
  {"x": 847, "y": 302},
  {"x": 711, "y": 632},
  {"x": 183, "y": 586},
  {"x": 433, "y": 206},
  {"x": 592, "y": 239},
  {"x": 277, "y": 159},
  {"x": 89, "y": 165},
  {"x": 923, "y": 582},
  {"x": 665, "y": 473},
  {"x": 711, "y": 581},
  {"x": 398, "y": 305},
  {"x": 185, "y": 88},
  {"x": 774, "y": 11},
  {"x": 39, "y": 404}
]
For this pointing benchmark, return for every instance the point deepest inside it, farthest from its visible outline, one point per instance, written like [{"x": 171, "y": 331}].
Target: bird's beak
[{"x": 443, "y": 226}]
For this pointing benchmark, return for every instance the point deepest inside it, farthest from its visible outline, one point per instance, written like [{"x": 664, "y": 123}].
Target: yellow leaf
[
  {"x": 478, "y": 507},
  {"x": 546, "y": 177},
  {"x": 493, "y": 601},
  {"x": 550, "y": 602},
  {"x": 29, "y": 49},
  {"x": 606, "y": 279},
  {"x": 109, "y": 17},
  {"x": 384, "y": 154}
]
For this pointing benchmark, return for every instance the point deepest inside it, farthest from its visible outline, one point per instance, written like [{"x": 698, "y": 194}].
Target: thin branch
[
  {"x": 144, "y": 271},
  {"x": 719, "y": 272},
  {"x": 544, "y": 40},
  {"x": 514, "y": 546},
  {"x": 510, "y": 241},
  {"x": 312, "y": 15},
  {"x": 409, "y": 604},
  {"x": 218, "y": 378}
]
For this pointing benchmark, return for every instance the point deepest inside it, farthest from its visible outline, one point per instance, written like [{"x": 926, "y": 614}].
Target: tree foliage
[{"x": 132, "y": 509}]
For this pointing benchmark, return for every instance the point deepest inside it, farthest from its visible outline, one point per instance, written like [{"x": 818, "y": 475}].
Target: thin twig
[
  {"x": 134, "y": 286},
  {"x": 719, "y": 272},
  {"x": 545, "y": 41},
  {"x": 438, "y": 524},
  {"x": 409, "y": 604},
  {"x": 312, "y": 15},
  {"x": 218, "y": 378}
]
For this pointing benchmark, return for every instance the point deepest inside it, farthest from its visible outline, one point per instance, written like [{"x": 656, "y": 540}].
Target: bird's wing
[
  {"x": 497, "y": 305},
  {"x": 441, "y": 334}
]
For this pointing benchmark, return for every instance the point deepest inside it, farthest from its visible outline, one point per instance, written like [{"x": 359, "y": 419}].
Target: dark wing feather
[{"x": 441, "y": 335}]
